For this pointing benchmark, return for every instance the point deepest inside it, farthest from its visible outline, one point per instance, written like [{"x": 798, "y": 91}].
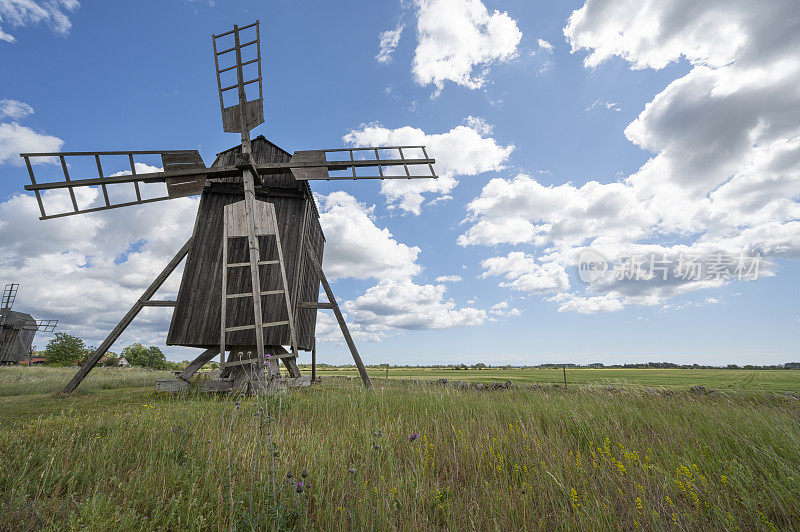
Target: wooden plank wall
[
  {"x": 16, "y": 341},
  {"x": 196, "y": 319}
]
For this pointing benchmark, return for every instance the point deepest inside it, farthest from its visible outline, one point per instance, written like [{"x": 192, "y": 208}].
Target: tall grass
[
  {"x": 522, "y": 458},
  {"x": 20, "y": 380}
]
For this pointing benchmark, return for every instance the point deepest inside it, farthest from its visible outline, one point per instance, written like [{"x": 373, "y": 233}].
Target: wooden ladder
[{"x": 235, "y": 226}]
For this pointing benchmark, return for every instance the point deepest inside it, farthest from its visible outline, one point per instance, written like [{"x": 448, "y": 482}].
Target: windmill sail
[
  {"x": 184, "y": 175},
  {"x": 9, "y": 295},
  {"x": 253, "y": 109},
  {"x": 41, "y": 325},
  {"x": 381, "y": 161},
  {"x": 188, "y": 185}
]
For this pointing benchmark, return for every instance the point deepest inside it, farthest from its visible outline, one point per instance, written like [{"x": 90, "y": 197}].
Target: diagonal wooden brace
[
  {"x": 127, "y": 319},
  {"x": 338, "y": 313},
  {"x": 197, "y": 363}
]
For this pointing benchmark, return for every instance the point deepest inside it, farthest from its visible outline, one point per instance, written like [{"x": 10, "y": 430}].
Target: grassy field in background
[
  {"x": 525, "y": 458},
  {"x": 19, "y": 380},
  {"x": 722, "y": 379}
]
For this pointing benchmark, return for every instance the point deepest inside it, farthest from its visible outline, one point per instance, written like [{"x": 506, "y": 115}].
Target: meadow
[
  {"x": 722, "y": 379},
  {"x": 407, "y": 455},
  {"x": 17, "y": 380}
]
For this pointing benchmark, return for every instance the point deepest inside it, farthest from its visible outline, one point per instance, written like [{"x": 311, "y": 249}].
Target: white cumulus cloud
[
  {"x": 523, "y": 273},
  {"x": 725, "y": 143},
  {"x": 456, "y": 37},
  {"x": 407, "y": 305},
  {"x": 16, "y": 139},
  {"x": 465, "y": 150},
  {"x": 21, "y": 13},
  {"x": 356, "y": 247}
]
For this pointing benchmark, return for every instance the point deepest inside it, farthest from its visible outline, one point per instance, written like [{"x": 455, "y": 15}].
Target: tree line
[{"x": 67, "y": 350}]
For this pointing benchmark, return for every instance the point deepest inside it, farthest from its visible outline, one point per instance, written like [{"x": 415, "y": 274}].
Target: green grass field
[
  {"x": 118, "y": 456},
  {"x": 722, "y": 379}
]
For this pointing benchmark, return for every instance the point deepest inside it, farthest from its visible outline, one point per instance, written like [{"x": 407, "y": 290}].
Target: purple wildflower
[{"x": 413, "y": 437}]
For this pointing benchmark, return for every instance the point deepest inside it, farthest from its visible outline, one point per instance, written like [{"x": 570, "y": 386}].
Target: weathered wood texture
[
  {"x": 196, "y": 319},
  {"x": 17, "y": 339}
]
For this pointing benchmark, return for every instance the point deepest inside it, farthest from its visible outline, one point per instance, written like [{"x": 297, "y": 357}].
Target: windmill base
[
  {"x": 241, "y": 373},
  {"x": 227, "y": 385},
  {"x": 230, "y": 374}
]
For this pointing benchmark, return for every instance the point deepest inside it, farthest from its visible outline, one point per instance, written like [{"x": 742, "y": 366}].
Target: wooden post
[
  {"x": 290, "y": 362},
  {"x": 248, "y": 182},
  {"x": 224, "y": 300},
  {"x": 127, "y": 319},
  {"x": 314, "y": 360},
  {"x": 255, "y": 253},
  {"x": 338, "y": 313},
  {"x": 565, "y": 375},
  {"x": 387, "y": 372}
]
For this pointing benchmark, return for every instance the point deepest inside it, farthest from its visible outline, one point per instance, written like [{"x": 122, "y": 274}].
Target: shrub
[
  {"x": 64, "y": 350},
  {"x": 148, "y": 357}
]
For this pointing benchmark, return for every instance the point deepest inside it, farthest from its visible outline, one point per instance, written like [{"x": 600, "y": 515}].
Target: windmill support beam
[
  {"x": 338, "y": 313},
  {"x": 127, "y": 319},
  {"x": 289, "y": 360},
  {"x": 314, "y": 361},
  {"x": 197, "y": 363}
]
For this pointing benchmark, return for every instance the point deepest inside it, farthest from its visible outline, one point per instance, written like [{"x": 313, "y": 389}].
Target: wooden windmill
[
  {"x": 17, "y": 329},
  {"x": 253, "y": 265}
]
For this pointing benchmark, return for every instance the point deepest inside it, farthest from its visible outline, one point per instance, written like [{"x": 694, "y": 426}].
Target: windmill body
[
  {"x": 18, "y": 329},
  {"x": 18, "y": 332},
  {"x": 196, "y": 318},
  {"x": 253, "y": 268}
]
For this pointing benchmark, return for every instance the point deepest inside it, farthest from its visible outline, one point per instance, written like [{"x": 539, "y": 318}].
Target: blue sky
[{"x": 558, "y": 127}]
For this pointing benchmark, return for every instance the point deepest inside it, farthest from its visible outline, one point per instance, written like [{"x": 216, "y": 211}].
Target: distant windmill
[
  {"x": 253, "y": 267},
  {"x": 17, "y": 329}
]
